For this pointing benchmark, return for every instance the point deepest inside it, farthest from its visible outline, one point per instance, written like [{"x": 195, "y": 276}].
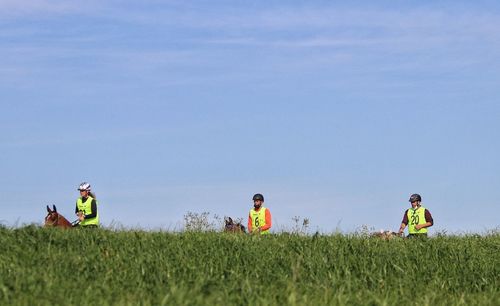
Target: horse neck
[
  {"x": 62, "y": 222},
  {"x": 236, "y": 228}
]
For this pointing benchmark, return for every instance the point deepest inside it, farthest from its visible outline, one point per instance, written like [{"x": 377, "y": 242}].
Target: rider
[
  {"x": 259, "y": 218},
  {"x": 418, "y": 218},
  {"x": 86, "y": 207}
]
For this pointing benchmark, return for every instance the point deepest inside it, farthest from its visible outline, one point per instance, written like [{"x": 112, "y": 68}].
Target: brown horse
[
  {"x": 385, "y": 235},
  {"x": 233, "y": 227},
  {"x": 54, "y": 219}
]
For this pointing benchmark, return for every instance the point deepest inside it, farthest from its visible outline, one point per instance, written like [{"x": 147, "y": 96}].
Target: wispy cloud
[
  {"x": 38, "y": 139},
  {"x": 18, "y": 8},
  {"x": 197, "y": 43}
]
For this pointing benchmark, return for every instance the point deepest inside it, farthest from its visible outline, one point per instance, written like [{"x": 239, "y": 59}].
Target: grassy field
[{"x": 103, "y": 267}]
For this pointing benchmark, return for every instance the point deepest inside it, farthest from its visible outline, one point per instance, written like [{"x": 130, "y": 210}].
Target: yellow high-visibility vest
[
  {"x": 415, "y": 217},
  {"x": 259, "y": 219},
  {"x": 86, "y": 208}
]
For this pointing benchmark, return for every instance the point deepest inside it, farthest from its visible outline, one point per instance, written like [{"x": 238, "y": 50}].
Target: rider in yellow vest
[
  {"x": 418, "y": 218},
  {"x": 259, "y": 218},
  {"x": 86, "y": 207}
]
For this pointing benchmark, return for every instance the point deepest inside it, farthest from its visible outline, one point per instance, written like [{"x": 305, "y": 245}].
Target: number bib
[
  {"x": 416, "y": 217},
  {"x": 258, "y": 218}
]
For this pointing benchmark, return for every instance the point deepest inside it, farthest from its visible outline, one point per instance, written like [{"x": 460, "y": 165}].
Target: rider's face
[
  {"x": 84, "y": 193},
  {"x": 414, "y": 204},
  {"x": 257, "y": 203}
]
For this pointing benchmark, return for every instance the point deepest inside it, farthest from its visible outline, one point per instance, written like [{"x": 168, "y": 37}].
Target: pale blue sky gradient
[{"x": 335, "y": 111}]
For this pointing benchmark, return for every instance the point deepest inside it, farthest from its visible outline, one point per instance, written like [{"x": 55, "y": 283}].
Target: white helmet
[{"x": 84, "y": 186}]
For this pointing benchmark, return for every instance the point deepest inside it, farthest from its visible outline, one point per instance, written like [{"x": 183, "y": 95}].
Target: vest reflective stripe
[
  {"x": 416, "y": 217},
  {"x": 86, "y": 208},
  {"x": 259, "y": 219}
]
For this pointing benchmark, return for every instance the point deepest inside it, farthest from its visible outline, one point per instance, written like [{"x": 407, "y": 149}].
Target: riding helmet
[
  {"x": 258, "y": 196},
  {"x": 84, "y": 186},
  {"x": 415, "y": 197}
]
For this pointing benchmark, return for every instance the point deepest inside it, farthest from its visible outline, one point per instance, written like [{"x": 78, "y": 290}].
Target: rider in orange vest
[{"x": 259, "y": 218}]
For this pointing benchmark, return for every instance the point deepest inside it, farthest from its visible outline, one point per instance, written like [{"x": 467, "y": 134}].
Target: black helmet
[
  {"x": 258, "y": 196},
  {"x": 415, "y": 197}
]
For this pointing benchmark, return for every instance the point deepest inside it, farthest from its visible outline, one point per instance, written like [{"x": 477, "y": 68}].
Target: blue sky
[{"x": 335, "y": 111}]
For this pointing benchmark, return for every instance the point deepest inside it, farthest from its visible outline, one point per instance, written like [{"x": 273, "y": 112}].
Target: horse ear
[
  {"x": 230, "y": 220},
  {"x": 48, "y": 209},
  {"x": 55, "y": 209}
]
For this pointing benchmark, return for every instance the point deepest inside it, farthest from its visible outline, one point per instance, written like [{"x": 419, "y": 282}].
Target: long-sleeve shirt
[
  {"x": 93, "y": 207},
  {"x": 264, "y": 227},
  {"x": 428, "y": 217}
]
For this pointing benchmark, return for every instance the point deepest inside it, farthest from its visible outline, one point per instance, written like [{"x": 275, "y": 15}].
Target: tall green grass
[{"x": 104, "y": 267}]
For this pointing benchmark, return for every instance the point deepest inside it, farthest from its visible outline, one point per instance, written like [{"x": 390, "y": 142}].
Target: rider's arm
[
  {"x": 249, "y": 223},
  {"x": 428, "y": 221},
  {"x": 405, "y": 218},
  {"x": 428, "y": 217},
  {"x": 93, "y": 209},
  {"x": 268, "y": 221},
  {"x": 404, "y": 222}
]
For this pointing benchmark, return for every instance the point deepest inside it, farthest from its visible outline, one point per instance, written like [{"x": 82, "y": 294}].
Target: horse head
[
  {"x": 233, "y": 227},
  {"x": 54, "y": 219},
  {"x": 52, "y": 216}
]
